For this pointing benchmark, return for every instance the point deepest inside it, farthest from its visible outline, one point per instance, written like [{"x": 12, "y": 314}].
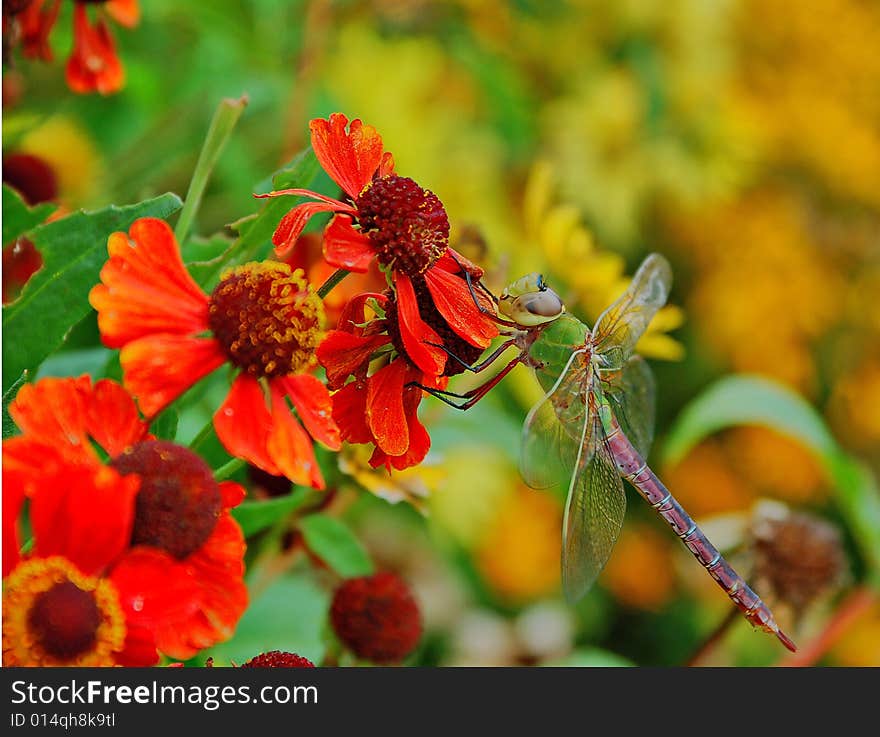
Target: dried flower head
[
  {"x": 377, "y": 617},
  {"x": 798, "y": 556}
]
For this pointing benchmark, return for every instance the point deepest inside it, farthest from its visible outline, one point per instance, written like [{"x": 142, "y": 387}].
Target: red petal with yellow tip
[
  {"x": 145, "y": 288},
  {"x": 159, "y": 368}
]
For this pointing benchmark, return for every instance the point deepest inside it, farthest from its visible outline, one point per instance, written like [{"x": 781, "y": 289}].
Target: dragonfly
[{"x": 593, "y": 427}]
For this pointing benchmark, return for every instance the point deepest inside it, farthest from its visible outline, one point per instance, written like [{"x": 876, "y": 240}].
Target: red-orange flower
[
  {"x": 93, "y": 65},
  {"x": 171, "y": 550},
  {"x": 262, "y": 318},
  {"x": 380, "y": 405},
  {"x": 391, "y": 219},
  {"x": 61, "y": 605}
]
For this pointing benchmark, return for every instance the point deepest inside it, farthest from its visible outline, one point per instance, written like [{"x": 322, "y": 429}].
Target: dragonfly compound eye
[{"x": 536, "y": 308}]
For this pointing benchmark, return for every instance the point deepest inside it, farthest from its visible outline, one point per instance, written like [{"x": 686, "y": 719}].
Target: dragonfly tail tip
[{"x": 786, "y": 640}]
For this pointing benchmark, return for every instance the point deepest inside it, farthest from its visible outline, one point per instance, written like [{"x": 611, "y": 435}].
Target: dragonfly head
[{"x": 530, "y": 302}]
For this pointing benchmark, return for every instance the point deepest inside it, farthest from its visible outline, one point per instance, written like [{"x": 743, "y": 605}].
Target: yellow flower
[
  {"x": 67, "y": 148},
  {"x": 412, "y": 485},
  {"x": 705, "y": 484},
  {"x": 775, "y": 464},
  {"x": 855, "y": 406},
  {"x": 518, "y": 554},
  {"x": 640, "y": 572},
  {"x": 593, "y": 278}
]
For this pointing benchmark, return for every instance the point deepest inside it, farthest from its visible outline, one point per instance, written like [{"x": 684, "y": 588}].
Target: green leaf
[
  {"x": 57, "y": 297},
  {"x": 255, "y": 231},
  {"x": 336, "y": 545},
  {"x": 18, "y": 218},
  {"x": 9, "y": 427},
  {"x": 164, "y": 426},
  {"x": 591, "y": 658},
  {"x": 288, "y": 615},
  {"x": 754, "y": 400},
  {"x": 225, "y": 118},
  {"x": 76, "y": 362},
  {"x": 256, "y": 516}
]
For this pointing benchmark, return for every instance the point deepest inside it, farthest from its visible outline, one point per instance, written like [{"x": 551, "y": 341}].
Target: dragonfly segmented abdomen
[{"x": 634, "y": 469}]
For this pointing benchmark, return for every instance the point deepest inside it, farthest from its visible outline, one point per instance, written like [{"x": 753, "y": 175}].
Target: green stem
[
  {"x": 225, "y": 118},
  {"x": 334, "y": 279},
  {"x": 202, "y": 436},
  {"x": 227, "y": 469}
]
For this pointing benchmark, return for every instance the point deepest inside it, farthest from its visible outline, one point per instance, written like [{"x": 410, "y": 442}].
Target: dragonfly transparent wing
[
  {"x": 594, "y": 514},
  {"x": 553, "y": 430},
  {"x": 619, "y": 328},
  {"x": 630, "y": 391},
  {"x": 549, "y": 452}
]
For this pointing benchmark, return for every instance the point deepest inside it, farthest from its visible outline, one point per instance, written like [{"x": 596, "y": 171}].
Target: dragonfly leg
[
  {"x": 474, "y": 395},
  {"x": 483, "y": 310},
  {"x": 482, "y": 365}
]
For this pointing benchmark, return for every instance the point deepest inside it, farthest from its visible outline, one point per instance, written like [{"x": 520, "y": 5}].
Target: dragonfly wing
[
  {"x": 593, "y": 514},
  {"x": 630, "y": 391},
  {"x": 619, "y": 328},
  {"x": 549, "y": 449}
]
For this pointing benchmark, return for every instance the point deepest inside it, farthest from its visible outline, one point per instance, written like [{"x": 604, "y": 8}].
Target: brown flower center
[
  {"x": 407, "y": 225},
  {"x": 179, "y": 501},
  {"x": 267, "y": 319},
  {"x": 65, "y": 620}
]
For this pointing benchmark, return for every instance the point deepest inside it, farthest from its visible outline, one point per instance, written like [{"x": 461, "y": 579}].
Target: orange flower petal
[
  {"x": 416, "y": 334},
  {"x": 456, "y": 264},
  {"x": 154, "y": 591},
  {"x": 84, "y": 513},
  {"x": 159, "y": 368},
  {"x": 53, "y": 411},
  {"x": 217, "y": 569},
  {"x": 350, "y": 158},
  {"x": 209, "y": 595},
  {"x": 385, "y": 413},
  {"x": 231, "y": 494},
  {"x": 13, "y": 499},
  {"x": 312, "y": 402},
  {"x": 350, "y": 413},
  {"x": 124, "y": 12},
  {"x": 345, "y": 247},
  {"x": 291, "y": 225},
  {"x": 343, "y": 354},
  {"x": 243, "y": 423},
  {"x": 145, "y": 287},
  {"x": 290, "y": 446},
  {"x": 112, "y": 418},
  {"x": 419, "y": 440},
  {"x": 454, "y": 301},
  {"x": 93, "y": 65}
]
